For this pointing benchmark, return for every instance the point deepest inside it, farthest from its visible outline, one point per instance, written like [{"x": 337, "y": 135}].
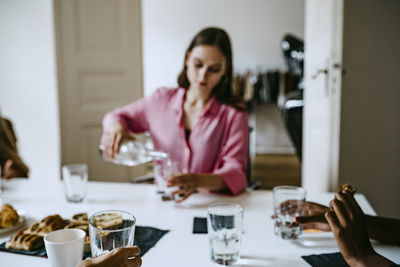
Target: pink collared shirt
[{"x": 218, "y": 143}]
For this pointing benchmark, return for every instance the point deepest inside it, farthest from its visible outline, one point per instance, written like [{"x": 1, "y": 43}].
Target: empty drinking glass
[
  {"x": 163, "y": 170},
  {"x": 225, "y": 226},
  {"x": 75, "y": 178},
  {"x": 289, "y": 202}
]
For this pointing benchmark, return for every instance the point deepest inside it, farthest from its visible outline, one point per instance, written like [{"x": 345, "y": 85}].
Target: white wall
[
  {"x": 28, "y": 94},
  {"x": 256, "y": 28},
  {"x": 370, "y": 128}
]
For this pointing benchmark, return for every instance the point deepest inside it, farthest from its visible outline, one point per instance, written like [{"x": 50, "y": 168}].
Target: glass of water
[
  {"x": 225, "y": 227},
  {"x": 110, "y": 229},
  {"x": 289, "y": 202},
  {"x": 75, "y": 178}
]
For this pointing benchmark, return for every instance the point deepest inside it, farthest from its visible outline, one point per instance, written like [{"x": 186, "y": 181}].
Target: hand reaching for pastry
[
  {"x": 314, "y": 217},
  {"x": 119, "y": 257},
  {"x": 349, "y": 226}
]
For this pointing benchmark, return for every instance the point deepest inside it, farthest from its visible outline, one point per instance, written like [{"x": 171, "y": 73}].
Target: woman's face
[{"x": 205, "y": 67}]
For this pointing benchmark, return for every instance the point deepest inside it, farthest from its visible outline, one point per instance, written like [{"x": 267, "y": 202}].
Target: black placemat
[
  {"x": 145, "y": 237},
  {"x": 326, "y": 260}
]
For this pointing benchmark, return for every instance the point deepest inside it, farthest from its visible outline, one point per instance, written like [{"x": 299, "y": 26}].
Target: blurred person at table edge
[
  {"x": 201, "y": 124},
  {"x": 10, "y": 161},
  {"x": 352, "y": 229},
  {"x": 119, "y": 257}
]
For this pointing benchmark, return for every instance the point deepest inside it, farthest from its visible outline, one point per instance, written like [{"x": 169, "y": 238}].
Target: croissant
[{"x": 8, "y": 216}]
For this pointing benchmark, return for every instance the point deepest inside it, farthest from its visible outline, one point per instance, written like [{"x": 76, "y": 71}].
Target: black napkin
[
  {"x": 326, "y": 260},
  {"x": 200, "y": 225},
  {"x": 145, "y": 238}
]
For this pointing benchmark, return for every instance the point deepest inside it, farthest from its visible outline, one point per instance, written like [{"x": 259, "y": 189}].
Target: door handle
[
  {"x": 320, "y": 71},
  {"x": 339, "y": 66}
]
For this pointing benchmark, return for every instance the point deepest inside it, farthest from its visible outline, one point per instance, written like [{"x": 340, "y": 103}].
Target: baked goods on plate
[
  {"x": 11, "y": 219},
  {"x": 47, "y": 225},
  {"x": 8, "y": 216},
  {"x": 23, "y": 241},
  {"x": 80, "y": 217}
]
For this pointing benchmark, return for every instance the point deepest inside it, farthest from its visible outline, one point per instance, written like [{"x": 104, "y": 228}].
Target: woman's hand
[
  {"x": 121, "y": 257},
  {"x": 112, "y": 139},
  {"x": 349, "y": 227},
  {"x": 187, "y": 183}
]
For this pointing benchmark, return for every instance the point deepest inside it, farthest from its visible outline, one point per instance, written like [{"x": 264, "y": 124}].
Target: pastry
[
  {"x": 23, "y": 241},
  {"x": 8, "y": 216},
  {"x": 79, "y": 225},
  {"x": 108, "y": 221},
  {"x": 347, "y": 188},
  {"x": 80, "y": 217},
  {"x": 47, "y": 225}
]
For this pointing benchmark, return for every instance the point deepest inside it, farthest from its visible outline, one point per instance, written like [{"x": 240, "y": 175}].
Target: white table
[{"x": 179, "y": 247}]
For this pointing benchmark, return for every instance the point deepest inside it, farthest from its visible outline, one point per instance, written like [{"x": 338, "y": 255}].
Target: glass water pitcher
[{"x": 135, "y": 152}]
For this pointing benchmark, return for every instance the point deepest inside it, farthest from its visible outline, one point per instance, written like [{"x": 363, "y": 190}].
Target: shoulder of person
[
  {"x": 166, "y": 92},
  {"x": 233, "y": 112}
]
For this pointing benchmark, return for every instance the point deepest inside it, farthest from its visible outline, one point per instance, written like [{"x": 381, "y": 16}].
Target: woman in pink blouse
[{"x": 201, "y": 124}]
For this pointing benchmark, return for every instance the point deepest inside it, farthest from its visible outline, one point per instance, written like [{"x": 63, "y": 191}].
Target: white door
[
  {"x": 323, "y": 56},
  {"x": 99, "y": 68}
]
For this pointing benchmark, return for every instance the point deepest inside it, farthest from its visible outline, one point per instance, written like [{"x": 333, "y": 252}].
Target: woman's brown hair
[
  {"x": 223, "y": 90},
  {"x": 8, "y": 147}
]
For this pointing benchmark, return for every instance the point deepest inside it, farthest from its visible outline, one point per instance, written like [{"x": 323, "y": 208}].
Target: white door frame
[{"x": 321, "y": 123}]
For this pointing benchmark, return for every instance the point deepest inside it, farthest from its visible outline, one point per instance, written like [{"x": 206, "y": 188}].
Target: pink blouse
[{"x": 217, "y": 144}]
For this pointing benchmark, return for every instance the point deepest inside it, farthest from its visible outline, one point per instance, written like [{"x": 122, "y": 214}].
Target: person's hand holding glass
[
  {"x": 168, "y": 174},
  {"x": 185, "y": 184}
]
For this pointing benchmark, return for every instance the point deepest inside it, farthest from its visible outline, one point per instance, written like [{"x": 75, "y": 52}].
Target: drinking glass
[
  {"x": 225, "y": 226},
  {"x": 289, "y": 202},
  {"x": 75, "y": 178},
  {"x": 163, "y": 170},
  {"x": 110, "y": 229}
]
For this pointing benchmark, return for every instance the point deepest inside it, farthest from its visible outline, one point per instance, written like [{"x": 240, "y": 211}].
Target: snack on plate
[
  {"x": 80, "y": 221},
  {"x": 80, "y": 217},
  {"x": 78, "y": 225},
  {"x": 347, "y": 188},
  {"x": 47, "y": 225},
  {"x": 108, "y": 221},
  {"x": 8, "y": 216},
  {"x": 23, "y": 241}
]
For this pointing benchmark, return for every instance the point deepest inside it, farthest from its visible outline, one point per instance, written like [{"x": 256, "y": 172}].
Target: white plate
[{"x": 20, "y": 223}]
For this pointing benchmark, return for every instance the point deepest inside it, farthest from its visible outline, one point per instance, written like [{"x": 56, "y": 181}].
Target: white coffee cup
[{"x": 65, "y": 247}]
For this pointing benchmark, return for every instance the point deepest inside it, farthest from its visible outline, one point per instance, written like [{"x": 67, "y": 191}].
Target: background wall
[
  {"x": 256, "y": 28},
  {"x": 28, "y": 93},
  {"x": 370, "y": 130}
]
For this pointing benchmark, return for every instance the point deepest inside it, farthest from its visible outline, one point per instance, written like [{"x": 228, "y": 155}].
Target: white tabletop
[{"x": 179, "y": 247}]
